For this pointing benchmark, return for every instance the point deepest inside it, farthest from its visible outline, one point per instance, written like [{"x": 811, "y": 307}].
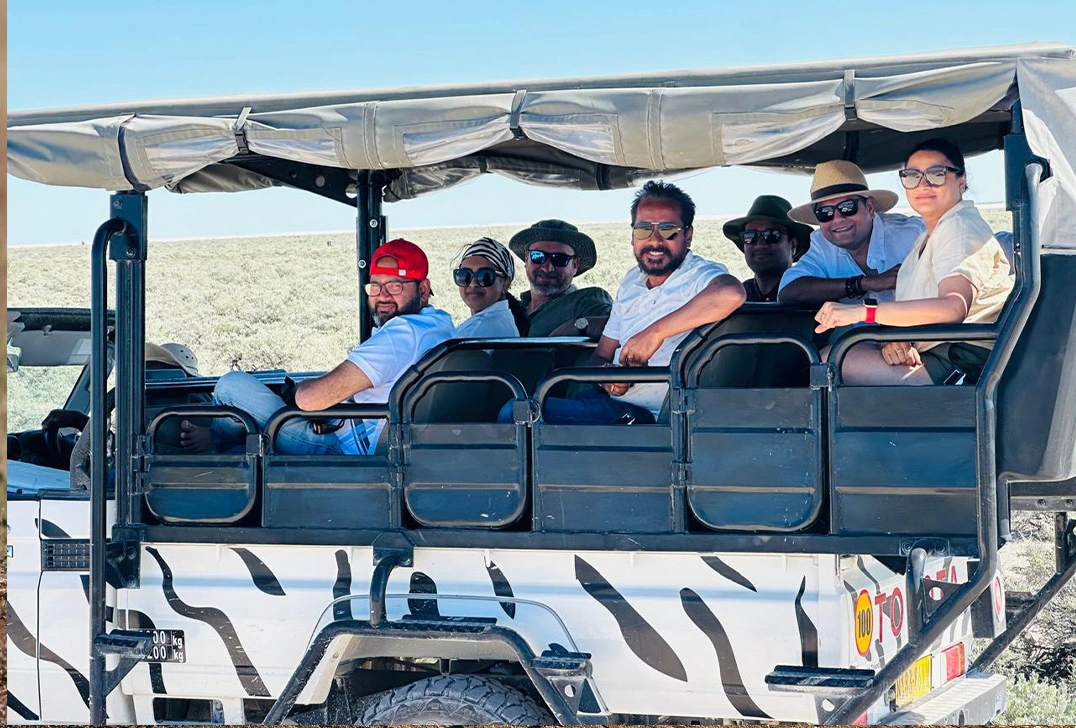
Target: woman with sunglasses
[
  {"x": 956, "y": 272},
  {"x": 484, "y": 275}
]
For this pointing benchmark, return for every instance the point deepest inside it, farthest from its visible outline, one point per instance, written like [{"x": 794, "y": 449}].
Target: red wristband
[{"x": 872, "y": 311}]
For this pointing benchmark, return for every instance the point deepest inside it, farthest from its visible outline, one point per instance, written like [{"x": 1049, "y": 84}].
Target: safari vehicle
[{"x": 778, "y": 546}]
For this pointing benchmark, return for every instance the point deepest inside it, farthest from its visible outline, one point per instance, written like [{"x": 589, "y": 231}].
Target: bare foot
[{"x": 195, "y": 439}]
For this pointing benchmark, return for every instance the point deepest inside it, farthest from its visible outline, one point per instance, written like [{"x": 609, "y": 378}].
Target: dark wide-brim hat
[
  {"x": 770, "y": 208},
  {"x": 840, "y": 178},
  {"x": 556, "y": 231}
]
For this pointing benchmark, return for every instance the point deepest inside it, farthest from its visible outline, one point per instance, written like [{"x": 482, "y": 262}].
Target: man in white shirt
[
  {"x": 671, "y": 292},
  {"x": 859, "y": 245},
  {"x": 407, "y": 327}
]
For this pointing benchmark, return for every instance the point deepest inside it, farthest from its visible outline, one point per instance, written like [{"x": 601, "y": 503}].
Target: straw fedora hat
[
  {"x": 840, "y": 179},
  {"x": 772, "y": 209}
]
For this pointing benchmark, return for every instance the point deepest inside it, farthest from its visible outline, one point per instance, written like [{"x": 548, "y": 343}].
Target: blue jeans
[
  {"x": 295, "y": 437},
  {"x": 591, "y": 406}
]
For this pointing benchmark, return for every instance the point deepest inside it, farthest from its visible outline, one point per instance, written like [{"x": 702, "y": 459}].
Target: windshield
[{"x": 32, "y": 392}]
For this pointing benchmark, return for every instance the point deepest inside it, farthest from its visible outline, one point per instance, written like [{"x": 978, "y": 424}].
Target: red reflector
[
  {"x": 861, "y": 720},
  {"x": 954, "y": 661}
]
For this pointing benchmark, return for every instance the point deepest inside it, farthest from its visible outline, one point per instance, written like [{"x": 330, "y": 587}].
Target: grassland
[{"x": 291, "y": 302}]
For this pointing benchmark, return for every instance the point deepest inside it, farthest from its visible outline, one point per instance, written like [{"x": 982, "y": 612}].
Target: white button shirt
[
  {"x": 892, "y": 238},
  {"x": 493, "y": 322},
  {"x": 637, "y": 306},
  {"x": 386, "y": 355}
]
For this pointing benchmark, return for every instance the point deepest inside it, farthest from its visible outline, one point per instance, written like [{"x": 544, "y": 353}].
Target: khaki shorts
[{"x": 948, "y": 361}]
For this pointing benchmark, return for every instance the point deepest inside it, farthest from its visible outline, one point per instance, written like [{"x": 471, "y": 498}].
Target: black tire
[{"x": 454, "y": 700}]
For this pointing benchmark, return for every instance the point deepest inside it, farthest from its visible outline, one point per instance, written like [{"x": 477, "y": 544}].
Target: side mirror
[{"x": 12, "y": 361}]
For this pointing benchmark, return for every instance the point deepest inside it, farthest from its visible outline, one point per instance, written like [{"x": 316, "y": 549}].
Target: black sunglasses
[
  {"x": 646, "y": 230},
  {"x": 935, "y": 176},
  {"x": 559, "y": 260},
  {"x": 769, "y": 236},
  {"x": 483, "y": 277},
  {"x": 846, "y": 208}
]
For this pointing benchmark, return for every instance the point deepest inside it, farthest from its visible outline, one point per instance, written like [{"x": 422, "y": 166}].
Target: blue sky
[{"x": 65, "y": 53}]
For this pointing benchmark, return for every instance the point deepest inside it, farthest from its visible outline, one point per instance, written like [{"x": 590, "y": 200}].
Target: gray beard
[{"x": 549, "y": 291}]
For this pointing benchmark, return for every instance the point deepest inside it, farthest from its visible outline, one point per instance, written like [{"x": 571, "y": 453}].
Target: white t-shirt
[
  {"x": 892, "y": 238},
  {"x": 637, "y": 306},
  {"x": 383, "y": 358},
  {"x": 962, "y": 244},
  {"x": 495, "y": 322}
]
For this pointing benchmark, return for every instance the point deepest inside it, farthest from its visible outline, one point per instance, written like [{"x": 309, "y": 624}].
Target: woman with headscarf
[
  {"x": 484, "y": 275},
  {"x": 955, "y": 273}
]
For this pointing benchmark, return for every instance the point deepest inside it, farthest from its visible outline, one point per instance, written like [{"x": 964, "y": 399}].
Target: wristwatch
[{"x": 871, "y": 304}]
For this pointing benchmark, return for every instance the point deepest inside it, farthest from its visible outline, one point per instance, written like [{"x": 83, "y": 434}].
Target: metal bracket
[
  {"x": 567, "y": 672},
  {"x": 525, "y": 412},
  {"x": 257, "y": 445},
  {"x": 131, "y": 647},
  {"x": 122, "y": 565},
  {"x": 391, "y": 549},
  {"x": 1064, "y": 542},
  {"x": 932, "y": 586},
  {"x": 822, "y": 375}
]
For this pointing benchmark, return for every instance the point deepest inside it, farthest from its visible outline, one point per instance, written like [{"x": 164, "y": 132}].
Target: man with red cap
[{"x": 406, "y": 328}]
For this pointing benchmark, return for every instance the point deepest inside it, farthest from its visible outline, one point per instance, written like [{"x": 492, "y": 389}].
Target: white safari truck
[{"x": 777, "y": 547}]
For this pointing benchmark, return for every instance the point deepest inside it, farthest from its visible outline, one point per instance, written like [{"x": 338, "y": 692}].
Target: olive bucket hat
[
  {"x": 556, "y": 231},
  {"x": 772, "y": 209}
]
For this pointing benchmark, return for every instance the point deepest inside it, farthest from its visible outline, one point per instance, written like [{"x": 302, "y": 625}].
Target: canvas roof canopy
[{"x": 585, "y": 133}]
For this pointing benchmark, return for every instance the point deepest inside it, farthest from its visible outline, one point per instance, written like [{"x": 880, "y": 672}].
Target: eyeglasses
[
  {"x": 769, "y": 236},
  {"x": 646, "y": 230},
  {"x": 846, "y": 208},
  {"x": 935, "y": 176},
  {"x": 559, "y": 260},
  {"x": 483, "y": 277},
  {"x": 394, "y": 288}
]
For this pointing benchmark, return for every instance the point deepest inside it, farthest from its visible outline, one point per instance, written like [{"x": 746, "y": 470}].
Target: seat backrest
[
  {"x": 529, "y": 365},
  {"x": 456, "y": 401},
  {"x": 760, "y": 366},
  {"x": 1036, "y": 433}
]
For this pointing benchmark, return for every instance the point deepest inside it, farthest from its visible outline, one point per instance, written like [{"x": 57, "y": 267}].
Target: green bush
[{"x": 1034, "y": 701}]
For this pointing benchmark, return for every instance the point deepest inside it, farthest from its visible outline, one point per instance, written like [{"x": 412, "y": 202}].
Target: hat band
[{"x": 837, "y": 190}]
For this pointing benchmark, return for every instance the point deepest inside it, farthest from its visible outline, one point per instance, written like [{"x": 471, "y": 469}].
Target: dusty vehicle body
[{"x": 765, "y": 551}]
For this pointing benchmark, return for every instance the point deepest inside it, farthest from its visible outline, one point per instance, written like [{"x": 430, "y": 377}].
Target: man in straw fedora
[
  {"x": 859, "y": 244},
  {"x": 770, "y": 242},
  {"x": 554, "y": 252}
]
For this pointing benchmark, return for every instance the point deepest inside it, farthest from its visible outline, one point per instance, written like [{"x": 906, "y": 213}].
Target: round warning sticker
[{"x": 863, "y": 622}]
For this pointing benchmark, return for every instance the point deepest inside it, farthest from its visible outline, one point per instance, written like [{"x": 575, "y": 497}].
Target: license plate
[
  {"x": 915, "y": 683},
  {"x": 169, "y": 645}
]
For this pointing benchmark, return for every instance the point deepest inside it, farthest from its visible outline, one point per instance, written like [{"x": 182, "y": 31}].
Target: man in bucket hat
[
  {"x": 770, "y": 242},
  {"x": 554, "y": 252},
  {"x": 859, "y": 244},
  {"x": 407, "y": 327}
]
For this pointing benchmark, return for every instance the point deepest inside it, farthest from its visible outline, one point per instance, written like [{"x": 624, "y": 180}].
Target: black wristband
[{"x": 853, "y": 287}]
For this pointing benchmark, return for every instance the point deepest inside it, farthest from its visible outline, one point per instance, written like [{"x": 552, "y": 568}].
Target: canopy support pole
[{"x": 369, "y": 236}]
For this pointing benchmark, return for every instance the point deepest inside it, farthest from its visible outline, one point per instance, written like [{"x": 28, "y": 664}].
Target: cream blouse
[{"x": 962, "y": 244}]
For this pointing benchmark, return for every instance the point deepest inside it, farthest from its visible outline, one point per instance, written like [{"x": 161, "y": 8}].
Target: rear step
[
  {"x": 975, "y": 699},
  {"x": 830, "y": 682}
]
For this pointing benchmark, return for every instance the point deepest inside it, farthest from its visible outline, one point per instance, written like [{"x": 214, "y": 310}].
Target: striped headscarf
[{"x": 495, "y": 253}]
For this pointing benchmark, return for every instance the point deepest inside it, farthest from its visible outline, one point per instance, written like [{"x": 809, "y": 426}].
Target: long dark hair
[{"x": 523, "y": 324}]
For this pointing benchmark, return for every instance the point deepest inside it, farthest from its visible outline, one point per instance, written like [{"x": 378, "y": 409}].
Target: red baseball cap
[{"x": 411, "y": 262}]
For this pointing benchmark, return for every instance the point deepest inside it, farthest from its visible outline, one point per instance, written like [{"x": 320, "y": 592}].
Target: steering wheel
[{"x": 55, "y": 421}]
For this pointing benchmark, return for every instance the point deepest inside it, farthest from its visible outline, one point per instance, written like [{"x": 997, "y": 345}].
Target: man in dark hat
[
  {"x": 770, "y": 242},
  {"x": 554, "y": 252}
]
